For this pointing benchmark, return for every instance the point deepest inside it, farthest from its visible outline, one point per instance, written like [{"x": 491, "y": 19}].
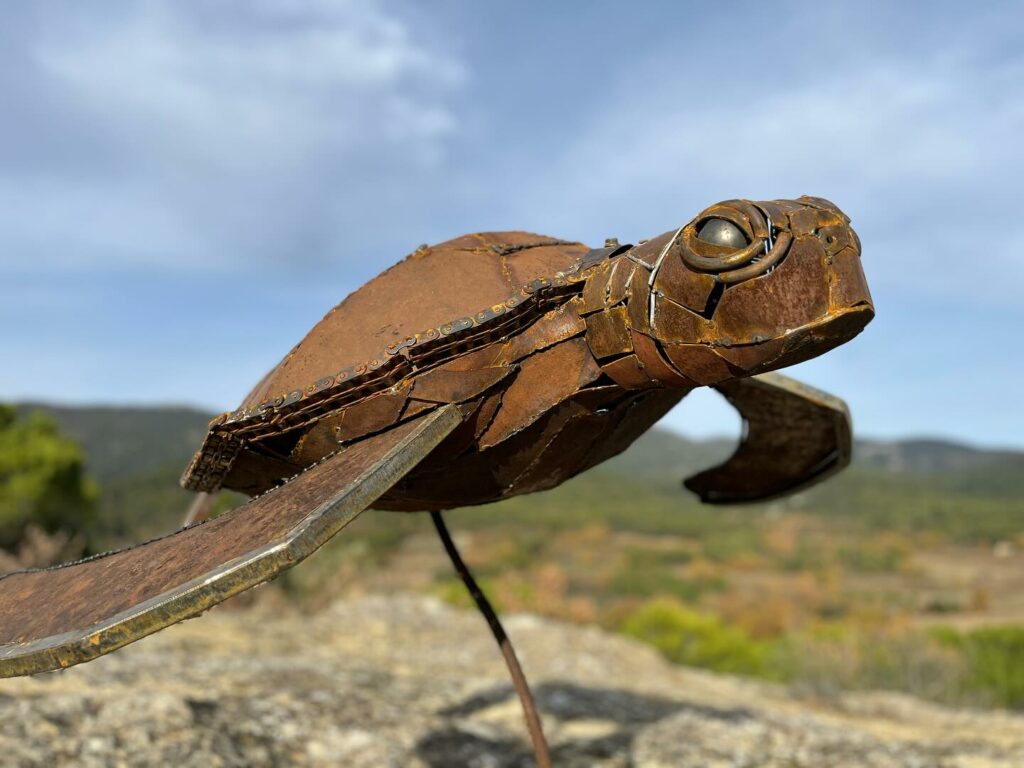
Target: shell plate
[
  {"x": 439, "y": 303},
  {"x": 432, "y": 286}
]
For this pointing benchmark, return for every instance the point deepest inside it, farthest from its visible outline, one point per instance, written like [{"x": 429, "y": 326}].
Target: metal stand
[
  {"x": 200, "y": 508},
  {"x": 533, "y": 724}
]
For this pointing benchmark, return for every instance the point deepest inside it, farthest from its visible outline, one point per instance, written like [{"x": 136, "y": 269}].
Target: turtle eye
[{"x": 722, "y": 232}]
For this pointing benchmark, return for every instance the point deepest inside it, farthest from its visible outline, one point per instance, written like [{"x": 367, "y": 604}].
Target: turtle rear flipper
[
  {"x": 61, "y": 616},
  {"x": 794, "y": 436}
]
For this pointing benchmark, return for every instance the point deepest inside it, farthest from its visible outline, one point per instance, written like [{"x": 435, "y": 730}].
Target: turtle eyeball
[{"x": 722, "y": 232}]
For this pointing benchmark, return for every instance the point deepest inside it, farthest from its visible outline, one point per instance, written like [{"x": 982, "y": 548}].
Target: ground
[{"x": 410, "y": 681}]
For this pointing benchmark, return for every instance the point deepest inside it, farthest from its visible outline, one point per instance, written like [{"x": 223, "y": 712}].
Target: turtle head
[{"x": 748, "y": 287}]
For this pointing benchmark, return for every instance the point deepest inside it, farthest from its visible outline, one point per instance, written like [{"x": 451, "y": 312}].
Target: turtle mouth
[
  {"x": 752, "y": 244},
  {"x": 820, "y": 336}
]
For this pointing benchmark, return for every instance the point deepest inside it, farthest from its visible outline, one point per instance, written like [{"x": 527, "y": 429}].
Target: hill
[
  {"x": 121, "y": 440},
  {"x": 137, "y": 454}
]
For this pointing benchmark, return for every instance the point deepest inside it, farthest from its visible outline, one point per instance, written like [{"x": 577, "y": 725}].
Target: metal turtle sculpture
[{"x": 491, "y": 365}]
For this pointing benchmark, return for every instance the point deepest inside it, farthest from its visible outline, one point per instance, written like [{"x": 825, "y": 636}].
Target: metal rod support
[
  {"x": 533, "y": 724},
  {"x": 200, "y": 508}
]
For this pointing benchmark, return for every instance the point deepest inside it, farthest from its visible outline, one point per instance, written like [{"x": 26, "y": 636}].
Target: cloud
[
  {"x": 186, "y": 187},
  {"x": 232, "y": 132},
  {"x": 290, "y": 83},
  {"x": 922, "y": 148}
]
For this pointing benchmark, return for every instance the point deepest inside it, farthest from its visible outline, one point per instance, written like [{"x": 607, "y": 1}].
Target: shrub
[
  {"x": 839, "y": 657},
  {"x": 696, "y": 639},
  {"x": 42, "y": 479},
  {"x": 995, "y": 657}
]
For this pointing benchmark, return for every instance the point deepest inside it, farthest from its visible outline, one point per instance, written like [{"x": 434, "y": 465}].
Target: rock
[{"x": 409, "y": 681}]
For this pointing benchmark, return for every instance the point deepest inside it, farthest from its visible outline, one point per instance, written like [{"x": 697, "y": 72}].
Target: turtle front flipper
[
  {"x": 61, "y": 616},
  {"x": 794, "y": 436}
]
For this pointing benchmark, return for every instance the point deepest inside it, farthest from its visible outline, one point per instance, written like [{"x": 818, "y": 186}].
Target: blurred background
[{"x": 186, "y": 188}]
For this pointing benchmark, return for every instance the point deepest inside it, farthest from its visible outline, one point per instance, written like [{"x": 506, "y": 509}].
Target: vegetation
[
  {"x": 995, "y": 658},
  {"x": 42, "y": 481},
  {"x": 697, "y": 639},
  {"x": 904, "y": 572}
]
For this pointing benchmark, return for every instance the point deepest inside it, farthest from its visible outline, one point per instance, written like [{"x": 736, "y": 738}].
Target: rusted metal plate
[
  {"x": 417, "y": 407},
  {"x": 544, "y": 379},
  {"x": 655, "y": 365},
  {"x": 700, "y": 363},
  {"x": 608, "y": 333},
  {"x": 676, "y": 324},
  {"x": 848, "y": 287},
  {"x": 795, "y": 294},
  {"x": 638, "y": 304},
  {"x": 446, "y": 386},
  {"x": 795, "y": 436},
  {"x": 633, "y": 417},
  {"x": 628, "y": 372},
  {"x": 753, "y": 357},
  {"x": 371, "y": 415},
  {"x": 255, "y": 472},
  {"x": 678, "y": 283},
  {"x": 596, "y": 290},
  {"x": 559, "y": 324},
  {"x": 571, "y": 443},
  {"x": 62, "y": 616},
  {"x": 619, "y": 279},
  {"x": 536, "y": 457}
]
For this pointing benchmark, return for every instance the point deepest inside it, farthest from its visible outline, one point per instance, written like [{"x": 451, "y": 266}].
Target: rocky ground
[{"x": 408, "y": 681}]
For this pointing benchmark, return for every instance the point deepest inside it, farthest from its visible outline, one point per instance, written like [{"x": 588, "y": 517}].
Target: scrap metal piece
[
  {"x": 544, "y": 380},
  {"x": 597, "y": 255},
  {"x": 54, "y": 618},
  {"x": 794, "y": 436},
  {"x": 656, "y": 366},
  {"x": 700, "y": 363},
  {"x": 561, "y": 323},
  {"x": 756, "y": 309},
  {"x": 628, "y": 372},
  {"x": 689, "y": 289},
  {"x": 444, "y": 385},
  {"x": 608, "y": 333}
]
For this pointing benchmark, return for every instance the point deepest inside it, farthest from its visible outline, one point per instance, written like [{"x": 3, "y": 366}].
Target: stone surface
[{"x": 408, "y": 681}]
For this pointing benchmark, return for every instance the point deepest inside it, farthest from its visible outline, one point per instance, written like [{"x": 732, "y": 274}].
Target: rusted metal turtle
[
  {"x": 558, "y": 356},
  {"x": 491, "y": 365}
]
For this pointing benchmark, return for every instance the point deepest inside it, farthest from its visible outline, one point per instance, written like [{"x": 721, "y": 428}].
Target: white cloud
[
  {"x": 235, "y": 136},
  {"x": 246, "y": 97},
  {"x": 923, "y": 151}
]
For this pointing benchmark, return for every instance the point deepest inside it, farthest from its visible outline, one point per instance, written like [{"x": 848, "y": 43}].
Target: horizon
[
  {"x": 186, "y": 189},
  {"x": 664, "y": 425}
]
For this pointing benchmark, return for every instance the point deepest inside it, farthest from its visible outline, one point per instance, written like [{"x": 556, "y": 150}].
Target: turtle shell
[
  {"x": 431, "y": 287},
  {"x": 440, "y": 302}
]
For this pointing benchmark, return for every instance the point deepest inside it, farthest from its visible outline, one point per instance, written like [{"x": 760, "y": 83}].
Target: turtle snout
[{"x": 848, "y": 287}]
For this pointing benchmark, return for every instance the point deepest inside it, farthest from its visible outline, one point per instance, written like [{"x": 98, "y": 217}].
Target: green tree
[{"x": 42, "y": 479}]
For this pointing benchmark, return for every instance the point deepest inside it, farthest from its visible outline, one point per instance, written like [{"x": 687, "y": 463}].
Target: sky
[{"x": 187, "y": 187}]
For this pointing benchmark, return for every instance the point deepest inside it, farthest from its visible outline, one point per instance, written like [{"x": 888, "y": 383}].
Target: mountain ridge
[{"x": 182, "y": 429}]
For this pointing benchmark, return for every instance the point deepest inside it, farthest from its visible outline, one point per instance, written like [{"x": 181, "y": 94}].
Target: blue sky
[{"x": 186, "y": 187}]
